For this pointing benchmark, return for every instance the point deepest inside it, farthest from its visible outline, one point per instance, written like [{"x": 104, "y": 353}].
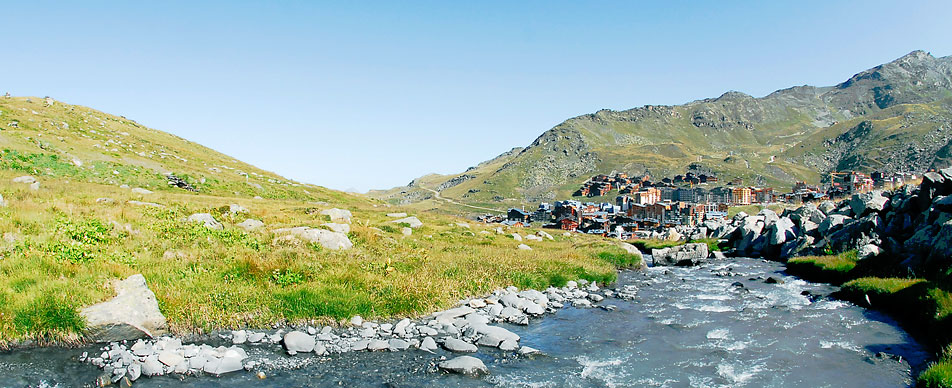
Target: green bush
[
  {"x": 938, "y": 375},
  {"x": 71, "y": 251},
  {"x": 286, "y": 277}
]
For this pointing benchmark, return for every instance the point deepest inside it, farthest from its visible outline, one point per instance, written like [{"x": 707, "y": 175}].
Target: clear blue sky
[{"x": 361, "y": 95}]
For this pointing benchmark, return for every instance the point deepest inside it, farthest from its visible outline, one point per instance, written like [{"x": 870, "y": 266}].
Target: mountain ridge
[{"x": 757, "y": 139}]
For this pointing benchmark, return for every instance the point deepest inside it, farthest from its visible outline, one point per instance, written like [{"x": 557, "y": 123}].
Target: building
[
  {"x": 518, "y": 215},
  {"x": 741, "y": 196}
]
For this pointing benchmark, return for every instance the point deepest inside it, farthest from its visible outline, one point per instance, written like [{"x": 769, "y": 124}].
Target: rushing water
[{"x": 688, "y": 327}]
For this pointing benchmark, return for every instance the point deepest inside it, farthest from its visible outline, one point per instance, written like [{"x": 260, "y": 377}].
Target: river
[{"x": 687, "y": 327}]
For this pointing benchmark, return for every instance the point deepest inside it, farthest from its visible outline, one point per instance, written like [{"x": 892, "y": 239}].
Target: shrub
[
  {"x": 938, "y": 375},
  {"x": 286, "y": 277}
]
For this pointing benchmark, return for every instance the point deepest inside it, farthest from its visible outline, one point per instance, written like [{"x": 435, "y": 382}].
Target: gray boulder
[
  {"x": 141, "y": 191},
  {"x": 864, "y": 203},
  {"x": 338, "y": 215},
  {"x": 24, "y": 179},
  {"x": 250, "y": 224},
  {"x": 868, "y": 251},
  {"x": 133, "y": 313},
  {"x": 299, "y": 342},
  {"x": 781, "y": 231},
  {"x": 327, "y": 239},
  {"x": 458, "y": 345},
  {"x": 339, "y": 228},
  {"x": 682, "y": 255},
  {"x": 206, "y": 219},
  {"x": 412, "y": 222},
  {"x": 833, "y": 222},
  {"x": 467, "y": 365},
  {"x": 827, "y": 207}
]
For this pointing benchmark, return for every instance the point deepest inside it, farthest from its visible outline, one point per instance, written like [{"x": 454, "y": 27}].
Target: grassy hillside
[
  {"x": 792, "y": 134},
  {"x": 63, "y": 242}
]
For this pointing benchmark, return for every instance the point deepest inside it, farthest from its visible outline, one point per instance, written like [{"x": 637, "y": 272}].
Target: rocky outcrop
[
  {"x": 133, "y": 313},
  {"x": 909, "y": 230}
]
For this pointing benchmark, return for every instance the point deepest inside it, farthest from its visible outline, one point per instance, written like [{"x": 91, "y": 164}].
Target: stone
[
  {"x": 133, "y": 313},
  {"x": 239, "y": 337},
  {"x": 339, "y": 228},
  {"x": 406, "y": 231},
  {"x": 495, "y": 331},
  {"x": 681, "y": 255},
  {"x": 356, "y": 320},
  {"x": 449, "y": 315},
  {"x": 326, "y": 238},
  {"x": 220, "y": 366},
  {"x": 152, "y": 367},
  {"x": 206, "y": 219},
  {"x": 517, "y": 237},
  {"x": 428, "y": 344},
  {"x": 832, "y": 222},
  {"x": 4, "y": 203},
  {"x": 134, "y": 371},
  {"x": 35, "y": 186},
  {"x": 298, "y": 342},
  {"x": 868, "y": 251},
  {"x": 545, "y": 235},
  {"x": 396, "y": 215},
  {"x": 508, "y": 345},
  {"x": 397, "y": 344},
  {"x": 458, "y": 345},
  {"x": 250, "y": 224},
  {"x": 338, "y": 215},
  {"x": 377, "y": 345},
  {"x": 104, "y": 200},
  {"x": 864, "y": 203},
  {"x": 524, "y": 247},
  {"x": 781, "y": 231},
  {"x": 236, "y": 208},
  {"x": 525, "y": 350},
  {"x": 24, "y": 179},
  {"x": 466, "y": 365},
  {"x": 532, "y": 237},
  {"x": 170, "y": 358},
  {"x": 141, "y": 191},
  {"x": 411, "y": 222}
]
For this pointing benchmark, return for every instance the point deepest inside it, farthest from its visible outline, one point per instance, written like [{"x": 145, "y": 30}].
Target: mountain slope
[{"x": 772, "y": 140}]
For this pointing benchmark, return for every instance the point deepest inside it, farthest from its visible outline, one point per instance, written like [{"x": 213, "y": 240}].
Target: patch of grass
[
  {"x": 286, "y": 277},
  {"x": 648, "y": 245},
  {"x": 938, "y": 375},
  {"x": 620, "y": 259},
  {"x": 48, "y": 317},
  {"x": 827, "y": 268},
  {"x": 879, "y": 286}
]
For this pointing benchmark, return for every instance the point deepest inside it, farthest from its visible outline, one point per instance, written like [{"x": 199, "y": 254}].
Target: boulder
[
  {"x": 458, "y": 345},
  {"x": 24, "y": 179},
  {"x": 206, "y": 219},
  {"x": 517, "y": 237},
  {"x": 327, "y": 239},
  {"x": 236, "y": 208},
  {"x": 428, "y": 344},
  {"x": 4, "y": 203},
  {"x": 467, "y": 365},
  {"x": 864, "y": 203},
  {"x": 672, "y": 235},
  {"x": 769, "y": 216},
  {"x": 298, "y": 342},
  {"x": 412, "y": 222},
  {"x": 339, "y": 228},
  {"x": 682, "y": 255},
  {"x": 545, "y": 235},
  {"x": 781, "y": 231},
  {"x": 831, "y": 223},
  {"x": 133, "y": 313},
  {"x": 632, "y": 250},
  {"x": 141, "y": 191},
  {"x": 338, "y": 215},
  {"x": 146, "y": 204},
  {"x": 406, "y": 231},
  {"x": 868, "y": 251},
  {"x": 524, "y": 247},
  {"x": 396, "y": 215},
  {"x": 827, "y": 207},
  {"x": 250, "y": 224}
]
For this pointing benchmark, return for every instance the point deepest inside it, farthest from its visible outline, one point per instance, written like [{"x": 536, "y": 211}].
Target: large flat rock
[{"x": 133, "y": 313}]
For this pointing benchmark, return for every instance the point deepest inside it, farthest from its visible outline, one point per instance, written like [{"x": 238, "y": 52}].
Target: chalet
[
  {"x": 515, "y": 224},
  {"x": 518, "y": 215},
  {"x": 568, "y": 224}
]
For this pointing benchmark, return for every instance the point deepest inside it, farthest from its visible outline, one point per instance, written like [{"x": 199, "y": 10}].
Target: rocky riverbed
[{"x": 718, "y": 324}]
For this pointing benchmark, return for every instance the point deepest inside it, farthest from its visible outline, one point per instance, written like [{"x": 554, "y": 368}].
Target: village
[{"x": 643, "y": 205}]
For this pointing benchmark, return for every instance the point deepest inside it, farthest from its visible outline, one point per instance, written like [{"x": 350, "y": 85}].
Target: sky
[{"x": 357, "y": 95}]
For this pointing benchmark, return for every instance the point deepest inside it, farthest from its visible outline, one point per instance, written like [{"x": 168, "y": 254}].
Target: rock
[
  {"x": 338, "y": 215},
  {"x": 532, "y": 237},
  {"x": 170, "y": 358},
  {"x": 133, "y": 313},
  {"x": 24, "y": 179},
  {"x": 298, "y": 342},
  {"x": 406, "y": 231},
  {"x": 152, "y": 367},
  {"x": 781, "y": 231},
  {"x": 4, "y": 203},
  {"x": 545, "y": 235},
  {"x": 396, "y": 215},
  {"x": 449, "y": 315},
  {"x": 327, "y": 239},
  {"x": 769, "y": 216},
  {"x": 672, "y": 235},
  {"x": 206, "y": 219},
  {"x": 104, "y": 200},
  {"x": 35, "y": 186},
  {"x": 773, "y": 280},
  {"x": 411, "y": 222},
  {"x": 681, "y": 255},
  {"x": 220, "y": 366},
  {"x": 508, "y": 345},
  {"x": 339, "y": 228},
  {"x": 134, "y": 371},
  {"x": 633, "y": 250},
  {"x": 250, "y": 224},
  {"x": 826, "y": 207},
  {"x": 467, "y": 365},
  {"x": 141, "y": 191},
  {"x": 525, "y": 350},
  {"x": 428, "y": 344},
  {"x": 397, "y": 344},
  {"x": 831, "y": 223},
  {"x": 868, "y": 251},
  {"x": 356, "y": 320},
  {"x": 236, "y": 208},
  {"x": 239, "y": 337},
  {"x": 517, "y": 237},
  {"x": 377, "y": 345},
  {"x": 524, "y": 247},
  {"x": 863, "y": 203},
  {"x": 458, "y": 345}
]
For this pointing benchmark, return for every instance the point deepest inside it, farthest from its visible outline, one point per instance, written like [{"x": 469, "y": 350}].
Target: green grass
[
  {"x": 938, "y": 375},
  {"x": 829, "y": 268}
]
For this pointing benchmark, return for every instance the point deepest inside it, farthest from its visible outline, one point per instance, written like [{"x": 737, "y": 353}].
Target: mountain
[{"x": 893, "y": 117}]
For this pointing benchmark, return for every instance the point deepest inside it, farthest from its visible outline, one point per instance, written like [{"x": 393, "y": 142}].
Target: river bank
[{"x": 684, "y": 326}]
